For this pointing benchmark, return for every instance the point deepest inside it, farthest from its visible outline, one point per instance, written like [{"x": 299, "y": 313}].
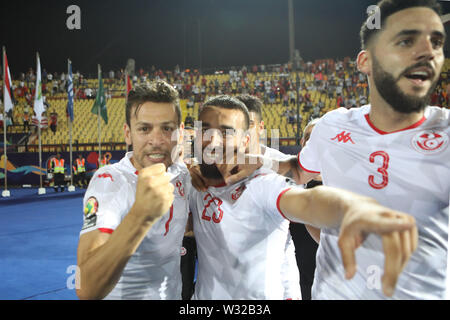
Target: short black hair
[
  {"x": 253, "y": 104},
  {"x": 388, "y": 8},
  {"x": 155, "y": 91},
  {"x": 226, "y": 102}
]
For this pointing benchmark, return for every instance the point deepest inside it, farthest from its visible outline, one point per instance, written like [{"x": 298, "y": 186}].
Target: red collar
[{"x": 415, "y": 125}]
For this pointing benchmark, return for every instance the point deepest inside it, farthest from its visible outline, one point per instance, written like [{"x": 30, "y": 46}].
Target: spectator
[
  {"x": 190, "y": 103},
  {"x": 26, "y": 122},
  {"x": 285, "y": 100},
  {"x": 292, "y": 97},
  {"x": 189, "y": 121},
  {"x": 88, "y": 92},
  {"x": 53, "y": 121}
]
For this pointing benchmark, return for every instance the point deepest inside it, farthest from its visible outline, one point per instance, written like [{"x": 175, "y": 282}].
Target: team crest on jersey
[
  {"x": 237, "y": 192},
  {"x": 179, "y": 185},
  {"x": 430, "y": 142},
  {"x": 90, "y": 210}
]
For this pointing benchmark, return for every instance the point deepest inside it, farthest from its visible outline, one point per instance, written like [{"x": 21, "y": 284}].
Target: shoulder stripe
[
  {"x": 278, "y": 202},
  {"x": 106, "y": 230},
  {"x": 303, "y": 168}
]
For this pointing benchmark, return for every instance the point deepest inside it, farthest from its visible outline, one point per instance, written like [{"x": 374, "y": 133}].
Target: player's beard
[
  {"x": 389, "y": 90},
  {"x": 210, "y": 171}
]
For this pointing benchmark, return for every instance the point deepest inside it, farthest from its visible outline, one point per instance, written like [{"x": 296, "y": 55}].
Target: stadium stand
[{"x": 324, "y": 85}]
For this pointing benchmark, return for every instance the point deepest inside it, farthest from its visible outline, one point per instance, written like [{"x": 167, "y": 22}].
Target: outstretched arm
[{"x": 357, "y": 216}]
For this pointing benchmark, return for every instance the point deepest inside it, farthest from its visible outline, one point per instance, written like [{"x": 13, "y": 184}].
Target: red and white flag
[
  {"x": 129, "y": 85},
  {"x": 7, "y": 87}
]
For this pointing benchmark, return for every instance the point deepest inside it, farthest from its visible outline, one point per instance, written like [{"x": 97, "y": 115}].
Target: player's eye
[
  {"x": 405, "y": 42},
  {"x": 437, "y": 43},
  {"x": 229, "y": 132},
  {"x": 143, "y": 129}
]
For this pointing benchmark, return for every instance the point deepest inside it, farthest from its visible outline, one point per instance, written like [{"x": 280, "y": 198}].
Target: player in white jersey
[
  {"x": 408, "y": 171},
  {"x": 153, "y": 271},
  {"x": 395, "y": 150},
  {"x": 136, "y": 212},
  {"x": 290, "y": 272},
  {"x": 241, "y": 229}
]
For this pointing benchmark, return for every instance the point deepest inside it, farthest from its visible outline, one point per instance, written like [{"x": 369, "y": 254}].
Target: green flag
[{"x": 100, "y": 100}]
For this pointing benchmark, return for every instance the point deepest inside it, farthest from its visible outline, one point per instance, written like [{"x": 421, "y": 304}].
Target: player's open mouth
[
  {"x": 156, "y": 156},
  {"x": 419, "y": 75}
]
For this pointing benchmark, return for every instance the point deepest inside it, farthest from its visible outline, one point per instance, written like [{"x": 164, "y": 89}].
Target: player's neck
[
  {"x": 135, "y": 164},
  {"x": 386, "y": 119}
]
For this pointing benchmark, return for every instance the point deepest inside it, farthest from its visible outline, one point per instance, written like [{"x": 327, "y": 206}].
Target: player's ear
[
  {"x": 246, "y": 140},
  {"x": 261, "y": 125},
  {"x": 127, "y": 134},
  {"x": 364, "y": 62}
]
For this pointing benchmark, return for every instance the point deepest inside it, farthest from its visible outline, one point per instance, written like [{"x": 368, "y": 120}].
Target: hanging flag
[
  {"x": 129, "y": 85},
  {"x": 7, "y": 88},
  {"x": 100, "y": 100},
  {"x": 70, "y": 92},
  {"x": 38, "y": 97}
]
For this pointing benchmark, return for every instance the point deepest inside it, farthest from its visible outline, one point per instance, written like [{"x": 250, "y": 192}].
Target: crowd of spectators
[{"x": 274, "y": 84}]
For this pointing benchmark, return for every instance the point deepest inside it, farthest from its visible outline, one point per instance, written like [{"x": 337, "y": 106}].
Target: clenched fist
[{"x": 154, "y": 192}]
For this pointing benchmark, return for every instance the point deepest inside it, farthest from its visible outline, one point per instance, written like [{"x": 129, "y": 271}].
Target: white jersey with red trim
[
  {"x": 291, "y": 273},
  {"x": 153, "y": 271},
  {"x": 241, "y": 239},
  {"x": 407, "y": 170}
]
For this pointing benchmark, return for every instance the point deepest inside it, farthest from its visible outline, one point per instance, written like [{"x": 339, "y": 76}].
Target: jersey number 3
[{"x": 382, "y": 170}]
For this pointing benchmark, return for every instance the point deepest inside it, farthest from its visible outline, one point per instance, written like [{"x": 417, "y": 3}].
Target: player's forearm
[
  {"x": 321, "y": 207},
  {"x": 100, "y": 271}
]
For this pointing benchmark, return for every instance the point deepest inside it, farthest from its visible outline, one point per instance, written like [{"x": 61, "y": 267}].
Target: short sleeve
[
  {"x": 267, "y": 190},
  {"x": 310, "y": 157},
  {"x": 106, "y": 201}
]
